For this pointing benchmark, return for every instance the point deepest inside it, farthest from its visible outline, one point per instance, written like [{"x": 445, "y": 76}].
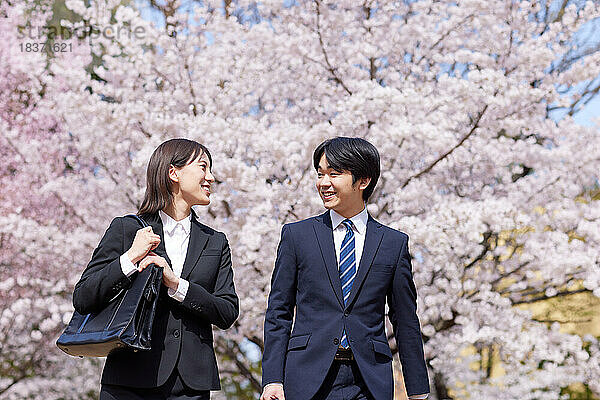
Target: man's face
[{"x": 337, "y": 191}]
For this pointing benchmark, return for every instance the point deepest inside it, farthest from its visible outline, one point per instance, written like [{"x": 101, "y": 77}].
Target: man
[{"x": 334, "y": 272}]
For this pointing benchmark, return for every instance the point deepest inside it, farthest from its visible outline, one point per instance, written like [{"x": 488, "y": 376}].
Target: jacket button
[
  {"x": 336, "y": 341},
  {"x": 176, "y": 333},
  {"x": 346, "y": 314}
]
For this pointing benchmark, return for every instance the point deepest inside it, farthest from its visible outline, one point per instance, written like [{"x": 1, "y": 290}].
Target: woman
[{"x": 198, "y": 289}]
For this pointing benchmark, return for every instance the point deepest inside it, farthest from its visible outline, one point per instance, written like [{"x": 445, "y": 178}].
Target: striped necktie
[{"x": 347, "y": 269}]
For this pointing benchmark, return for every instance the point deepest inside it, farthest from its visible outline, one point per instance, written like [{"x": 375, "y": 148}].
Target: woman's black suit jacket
[{"x": 182, "y": 332}]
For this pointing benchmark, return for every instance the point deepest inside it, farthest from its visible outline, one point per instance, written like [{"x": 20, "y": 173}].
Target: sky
[{"x": 590, "y": 113}]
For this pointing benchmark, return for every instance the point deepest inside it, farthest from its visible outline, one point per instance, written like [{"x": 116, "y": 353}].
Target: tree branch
[
  {"x": 446, "y": 154},
  {"x": 486, "y": 247},
  {"x": 243, "y": 369},
  {"x": 14, "y": 382},
  {"x": 114, "y": 179},
  {"x": 329, "y": 66},
  {"x": 544, "y": 297}
]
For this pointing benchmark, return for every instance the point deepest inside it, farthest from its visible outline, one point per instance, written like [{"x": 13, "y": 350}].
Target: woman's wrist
[
  {"x": 174, "y": 284},
  {"x": 132, "y": 258}
]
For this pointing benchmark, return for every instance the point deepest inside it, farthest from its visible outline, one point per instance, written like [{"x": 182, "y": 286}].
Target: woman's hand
[
  {"x": 144, "y": 241},
  {"x": 170, "y": 280}
]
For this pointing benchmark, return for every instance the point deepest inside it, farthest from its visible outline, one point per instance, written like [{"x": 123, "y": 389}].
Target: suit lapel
[
  {"x": 324, "y": 233},
  {"x": 372, "y": 241},
  {"x": 198, "y": 239}
]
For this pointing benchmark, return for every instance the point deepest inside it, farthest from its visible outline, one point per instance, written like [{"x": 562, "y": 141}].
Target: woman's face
[{"x": 194, "y": 181}]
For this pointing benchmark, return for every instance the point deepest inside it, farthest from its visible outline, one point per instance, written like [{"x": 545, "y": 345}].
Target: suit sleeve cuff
[
  {"x": 418, "y": 396},
  {"x": 181, "y": 291},
  {"x": 126, "y": 265}
]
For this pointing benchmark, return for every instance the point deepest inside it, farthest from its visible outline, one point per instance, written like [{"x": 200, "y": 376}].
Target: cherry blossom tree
[
  {"x": 36, "y": 227},
  {"x": 470, "y": 103}
]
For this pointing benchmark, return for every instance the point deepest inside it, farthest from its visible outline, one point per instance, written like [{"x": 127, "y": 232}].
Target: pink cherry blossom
[{"x": 464, "y": 100}]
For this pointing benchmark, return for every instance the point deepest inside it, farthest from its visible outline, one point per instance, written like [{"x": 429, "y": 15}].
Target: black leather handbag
[{"x": 126, "y": 322}]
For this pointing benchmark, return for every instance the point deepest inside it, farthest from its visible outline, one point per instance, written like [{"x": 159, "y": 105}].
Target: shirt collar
[
  {"x": 359, "y": 220},
  {"x": 169, "y": 223}
]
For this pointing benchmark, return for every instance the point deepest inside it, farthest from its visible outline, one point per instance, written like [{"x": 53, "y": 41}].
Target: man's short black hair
[{"x": 356, "y": 155}]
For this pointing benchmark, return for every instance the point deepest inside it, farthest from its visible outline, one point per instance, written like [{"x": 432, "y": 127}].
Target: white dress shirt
[
  {"x": 177, "y": 238},
  {"x": 359, "y": 227}
]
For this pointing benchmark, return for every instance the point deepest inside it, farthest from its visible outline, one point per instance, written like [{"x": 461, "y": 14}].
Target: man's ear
[
  {"x": 363, "y": 183},
  {"x": 173, "y": 174}
]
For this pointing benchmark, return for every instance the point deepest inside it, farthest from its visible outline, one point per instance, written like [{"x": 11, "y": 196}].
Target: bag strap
[
  {"x": 140, "y": 220},
  {"x": 144, "y": 224}
]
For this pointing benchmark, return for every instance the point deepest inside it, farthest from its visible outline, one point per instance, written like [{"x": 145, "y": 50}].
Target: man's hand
[{"x": 273, "y": 391}]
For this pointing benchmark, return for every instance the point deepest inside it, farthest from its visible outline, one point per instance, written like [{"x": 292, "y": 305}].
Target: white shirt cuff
[
  {"x": 273, "y": 383},
  {"x": 127, "y": 266},
  {"x": 181, "y": 291},
  {"x": 418, "y": 396}
]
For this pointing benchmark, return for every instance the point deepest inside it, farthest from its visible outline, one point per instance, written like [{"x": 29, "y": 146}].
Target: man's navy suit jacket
[{"x": 306, "y": 279}]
